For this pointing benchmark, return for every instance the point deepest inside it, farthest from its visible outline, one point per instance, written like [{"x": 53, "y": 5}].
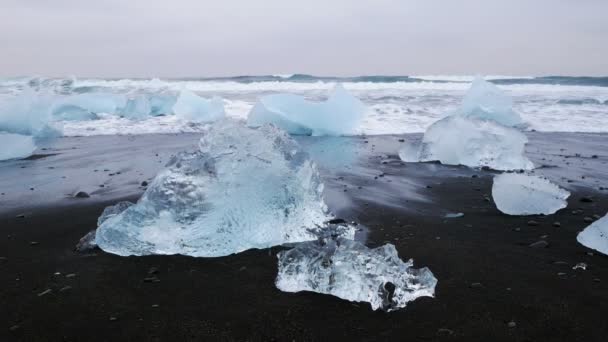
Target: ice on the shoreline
[
  {"x": 136, "y": 108},
  {"x": 161, "y": 104},
  {"x": 456, "y": 140},
  {"x": 16, "y": 146},
  {"x": 113, "y": 210},
  {"x": 595, "y": 236},
  {"x": 194, "y": 108},
  {"x": 349, "y": 270},
  {"x": 340, "y": 114},
  {"x": 486, "y": 101},
  {"x": 87, "y": 106},
  {"x": 28, "y": 114},
  {"x": 245, "y": 188},
  {"x": 520, "y": 194},
  {"x": 479, "y": 133}
]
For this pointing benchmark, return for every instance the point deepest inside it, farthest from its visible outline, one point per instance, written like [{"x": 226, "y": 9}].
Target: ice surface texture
[
  {"x": 595, "y": 236},
  {"x": 194, "y": 108},
  {"x": 519, "y": 194},
  {"x": 28, "y": 114},
  {"x": 486, "y": 101},
  {"x": 14, "y": 146},
  {"x": 349, "y": 270},
  {"x": 456, "y": 140},
  {"x": 245, "y": 188},
  {"x": 478, "y": 134},
  {"x": 340, "y": 114}
]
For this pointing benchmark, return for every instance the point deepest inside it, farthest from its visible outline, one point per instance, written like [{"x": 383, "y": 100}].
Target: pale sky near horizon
[{"x": 190, "y": 38}]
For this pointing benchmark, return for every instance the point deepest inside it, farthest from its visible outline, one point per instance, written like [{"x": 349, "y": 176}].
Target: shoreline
[{"x": 488, "y": 276}]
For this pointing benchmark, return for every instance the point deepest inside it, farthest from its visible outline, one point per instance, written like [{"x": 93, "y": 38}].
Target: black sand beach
[{"x": 492, "y": 286}]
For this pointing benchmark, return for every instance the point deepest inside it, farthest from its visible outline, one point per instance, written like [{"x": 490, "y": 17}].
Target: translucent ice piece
[
  {"x": 519, "y": 194},
  {"x": 194, "y": 108},
  {"x": 456, "y": 140},
  {"x": 347, "y": 269},
  {"x": 245, "y": 188},
  {"x": 136, "y": 108},
  {"x": 339, "y": 115},
  {"x": 486, "y": 101},
  {"x": 595, "y": 236},
  {"x": 28, "y": 114},
  {"x": 16, "y": 146}
]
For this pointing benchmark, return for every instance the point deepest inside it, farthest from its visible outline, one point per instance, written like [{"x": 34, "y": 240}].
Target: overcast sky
[{"x": 178, "y": 38}]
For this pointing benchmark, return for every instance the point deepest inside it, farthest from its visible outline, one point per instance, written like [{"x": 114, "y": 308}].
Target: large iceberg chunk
[
  {"x": 338, "y": 115},
  {"x": 87, "y": 106},
  {"x": 194, "y": 108},
  {"x": 161, "y": 104},
  {"x": 595, "y": 236},
  {"x": 245, "y": 188},
  {"x": 477, "y": 134},
  {"x": 136, "y": 108},
  {"x": 15, "y": 146},
  {"x": 484, "y": 100},
  {"x": 456, "y": 140},
  {"x": 349, "y": 270},
  {"x": 519, "y": 194},
  {"x": 28, "y": 114}
]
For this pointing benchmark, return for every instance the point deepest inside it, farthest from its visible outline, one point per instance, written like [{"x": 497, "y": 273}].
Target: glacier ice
[
  {"x": 194, "y": 108},
  {"x": 244, "y": 188},
  {"x": 595, "y": 236},
  {"x": 340, "y": 114},
  {"x": 136, "y": 108},
  {"x": 456, "y": 140},
  {"x": 28, "y": 114},
  {"x": 349, "y": 270},
  {"x": 16, "y": 146},
  {"x": 161, "y": 104},
  {"x": 479, "y": 133},
  {"x": 86, "y": 106},
  {"x": 484, "y": 100},
  {"x": 113, "y": 210},
  {"x": 520, "y": 194}
]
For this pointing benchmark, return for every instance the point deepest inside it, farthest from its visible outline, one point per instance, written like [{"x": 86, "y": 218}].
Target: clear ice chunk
[
  {"x": 244, "y": 188},
  {"x": 349, "y": 270},
  {"x": 136, "y": 108},
  {"x": 28, "y": 114},
  {"x": 456, "y": 140},
  {"x": 486, "y": 101},
  {"x": 520, "y": 194},
  {"x": 595, "y": 236},
  {"x": 113, "y": 210},
  {"x": 161, "y": 104},
  {"x": 340, "y": 114},
  {"x": 194, "y": 108},
  {"x": 16, "y": 146},
  {"x": 87, "y": 106}
]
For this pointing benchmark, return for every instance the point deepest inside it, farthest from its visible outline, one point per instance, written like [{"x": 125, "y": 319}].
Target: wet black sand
[{"x": 492, "y": 285}]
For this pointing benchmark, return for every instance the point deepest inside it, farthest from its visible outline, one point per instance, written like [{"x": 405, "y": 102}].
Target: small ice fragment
[
  {"x": 486, "y": 101},
  {"x": 340, "y": 114},
  {"x": 194, "y": 108},
  {"x": 456, "y": 140},
  {"x": 520, "y": 194},
  {"x": 245, "y": 188},
  {"x": 16, "y": 146},
  {"x": 580, "y": 266},
  {"x": 595, "y": 236},
  {"x": 349, "y": 270},
  {"x": 454, "y": 215}
]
